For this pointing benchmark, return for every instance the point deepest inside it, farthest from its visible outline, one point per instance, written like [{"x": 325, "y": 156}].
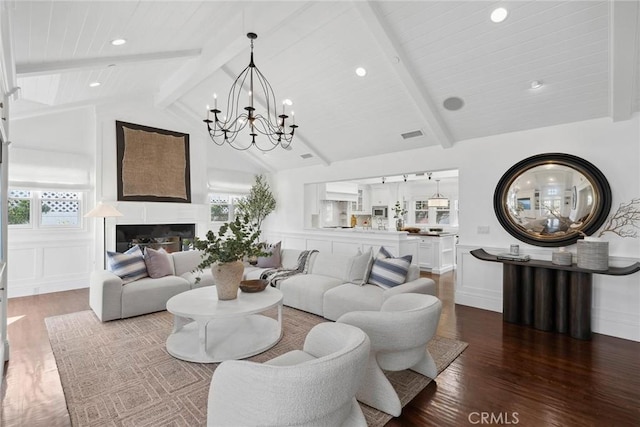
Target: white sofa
[
  {"x": 329, "y": 289},
  {"x": 332, "y": 288},
  {"x": 111, "y": 299}
]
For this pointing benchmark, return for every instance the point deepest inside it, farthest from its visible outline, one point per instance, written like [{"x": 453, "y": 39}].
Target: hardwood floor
[{"x": 508, "y": 375}]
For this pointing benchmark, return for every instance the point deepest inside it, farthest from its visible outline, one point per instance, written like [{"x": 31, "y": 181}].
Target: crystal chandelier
[
  {"x": 438, "y": 200},
  {"x": 225, "y": 129}
]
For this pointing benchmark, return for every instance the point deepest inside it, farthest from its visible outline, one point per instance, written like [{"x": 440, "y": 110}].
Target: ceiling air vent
[
  {"x": 306, "y": 155},
  {"x": 412, "y": 134}
]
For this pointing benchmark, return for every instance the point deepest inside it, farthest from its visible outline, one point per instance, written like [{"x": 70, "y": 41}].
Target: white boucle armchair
[
  {"x": 315, "y": 386},
  {"x": 399, "y": 334}
]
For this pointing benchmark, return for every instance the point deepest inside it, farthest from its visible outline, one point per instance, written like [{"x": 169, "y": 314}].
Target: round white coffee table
[{"x": 207, "y": 330}]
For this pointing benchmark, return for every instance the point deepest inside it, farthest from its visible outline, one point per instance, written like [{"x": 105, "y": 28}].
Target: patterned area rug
[{"x": 119, "y": 373}]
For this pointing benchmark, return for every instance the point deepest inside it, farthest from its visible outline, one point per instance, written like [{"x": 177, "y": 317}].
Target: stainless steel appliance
[{"x": 380, "y": 211}]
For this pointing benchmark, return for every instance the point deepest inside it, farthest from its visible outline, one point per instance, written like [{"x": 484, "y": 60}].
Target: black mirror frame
[{"x": 597, "y": 179}]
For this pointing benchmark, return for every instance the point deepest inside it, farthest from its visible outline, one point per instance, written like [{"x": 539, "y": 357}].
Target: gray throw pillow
[
  {"x": 360, "y": 268},
  {"x": 158, "y": 263},
  {"x": 273, "y": 260}
]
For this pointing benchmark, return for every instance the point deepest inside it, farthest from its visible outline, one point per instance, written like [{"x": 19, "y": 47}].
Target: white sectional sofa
[
  {"x": 112, "y": 299},
  {"x": 333, "y": 285}
]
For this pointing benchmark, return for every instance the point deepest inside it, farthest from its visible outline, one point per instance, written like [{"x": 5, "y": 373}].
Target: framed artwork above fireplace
[{"x": 153, "y": 164}]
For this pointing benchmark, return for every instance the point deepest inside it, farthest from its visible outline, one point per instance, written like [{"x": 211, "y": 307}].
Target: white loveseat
[
  {"x": 333, "y": 285},
  {"x": 110, "y": 298}
]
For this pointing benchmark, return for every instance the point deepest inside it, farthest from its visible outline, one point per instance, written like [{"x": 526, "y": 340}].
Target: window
[
  {"x": 19, "y": 207},
  {"x": 60, "y": 209},
  {"x": 422, "y": 212},
  {"x": 46, "y": 209},
  {"x": 224, "y": 207}
]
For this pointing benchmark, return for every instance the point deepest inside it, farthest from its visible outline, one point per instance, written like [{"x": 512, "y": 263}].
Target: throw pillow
[
  {"x": 383, "y": 253},
  {"x": 129, "y": 266},
  {"x": 273, "y": 260},
  {"x": 360, "y": 267},
  {"x": 158, "y": 263},
  {"x": 388, "y": 271}
]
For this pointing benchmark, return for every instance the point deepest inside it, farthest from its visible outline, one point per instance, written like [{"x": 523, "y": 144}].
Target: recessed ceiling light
[
  {"x": 453, "y": 103},
  {"x": 361, "y": 72},
  {"x": 499, "y": 14},
  {"x": 118, "y": 42},
  {"x": 94, "y": 84},
  {"x": 536, "y": 84}
]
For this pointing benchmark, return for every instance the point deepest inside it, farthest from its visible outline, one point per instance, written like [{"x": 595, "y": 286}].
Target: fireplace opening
[{"x": 170, "y": 237}]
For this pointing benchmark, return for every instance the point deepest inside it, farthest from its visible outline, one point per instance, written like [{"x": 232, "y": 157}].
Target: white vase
[{"x": 227, "y": 277}]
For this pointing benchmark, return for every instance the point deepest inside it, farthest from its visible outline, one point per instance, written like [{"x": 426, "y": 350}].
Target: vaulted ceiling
[{"x": 417, "y": 55}]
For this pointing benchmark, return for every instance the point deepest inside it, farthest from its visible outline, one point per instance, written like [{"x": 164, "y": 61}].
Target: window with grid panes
[
  {"x": 60, "y": 209},
  {"x": 421, "y": 212},
  {"x": 19, "y": 207},
  {"x": 223, "y": 207}
]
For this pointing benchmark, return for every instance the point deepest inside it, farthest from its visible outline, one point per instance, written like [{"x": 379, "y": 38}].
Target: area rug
[{"x": 119, "y": 373}]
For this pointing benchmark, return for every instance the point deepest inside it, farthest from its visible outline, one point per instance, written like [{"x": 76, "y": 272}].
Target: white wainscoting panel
[
  {"x": 320, "y": 245},
  {"x": 346, "y": 248},
  {"x": 22, "y": 265},
  {"x": 48, "y": 266},
  {"x": 478, "y": 283},
  {"x": 58, "y": 261},
  {"x": 297, "y": 243}
]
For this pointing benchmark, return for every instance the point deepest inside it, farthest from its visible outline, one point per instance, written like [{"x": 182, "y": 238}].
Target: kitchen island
[
  {"x": 437, "y": 252},
  {"x": 432, "y": 252},
  {"x": 349, "y": 241}
]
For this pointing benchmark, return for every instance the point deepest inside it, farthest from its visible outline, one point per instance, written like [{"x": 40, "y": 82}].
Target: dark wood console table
[{"x": 548, "y": 296}]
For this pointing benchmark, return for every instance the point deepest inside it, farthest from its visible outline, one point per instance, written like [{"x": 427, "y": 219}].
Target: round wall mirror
[{"x": 552, "y": 199}]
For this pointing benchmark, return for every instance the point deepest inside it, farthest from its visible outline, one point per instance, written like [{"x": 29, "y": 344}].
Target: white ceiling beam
[
  {"x": 192, "y": 73},
  {"x": 624, "y": 50},
  {"x": 391, "y": 47},
  {"x": 227, "y": 43},
  {"x": 92, "y": 63}
]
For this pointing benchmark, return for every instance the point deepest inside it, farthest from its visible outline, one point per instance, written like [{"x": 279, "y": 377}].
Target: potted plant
[
  {"x": 259, "y": 203},
  {"x": 224, "y": 252},
  {"x": 399, "y": 215}
]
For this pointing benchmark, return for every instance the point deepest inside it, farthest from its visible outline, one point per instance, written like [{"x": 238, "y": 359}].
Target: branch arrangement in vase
[{"x": 233, "y": 242}]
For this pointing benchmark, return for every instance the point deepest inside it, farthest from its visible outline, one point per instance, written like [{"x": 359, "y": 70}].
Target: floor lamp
[{"x": 103, "y": 211}]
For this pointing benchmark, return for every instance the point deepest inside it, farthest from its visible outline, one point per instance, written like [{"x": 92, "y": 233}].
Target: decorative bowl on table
[{"x": 257, "y": 285}]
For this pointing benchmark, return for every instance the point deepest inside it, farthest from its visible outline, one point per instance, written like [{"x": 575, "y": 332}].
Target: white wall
[
  {"x": 57, "y": 152},
  {"x": 612, "y": 147}
]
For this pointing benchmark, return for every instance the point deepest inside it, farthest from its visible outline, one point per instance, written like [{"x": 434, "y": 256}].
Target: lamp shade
[
  {"x": 103, "y": 211},
  {"x": 438, "y": 200}
]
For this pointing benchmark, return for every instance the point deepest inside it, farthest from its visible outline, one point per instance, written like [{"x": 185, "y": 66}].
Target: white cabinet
[
  {"x": 338, "y": 191},
  {"x": 362, "y": 206},
  {"x": 379, "y": 195},
  {"x": 437, "y": 253},
  {"x": 426, "y": 253}
]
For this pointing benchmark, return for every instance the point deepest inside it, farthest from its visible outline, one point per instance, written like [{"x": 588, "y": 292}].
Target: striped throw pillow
[
  {"x": 129, "y": 266},
  {"x": 388, "y": 271}
]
